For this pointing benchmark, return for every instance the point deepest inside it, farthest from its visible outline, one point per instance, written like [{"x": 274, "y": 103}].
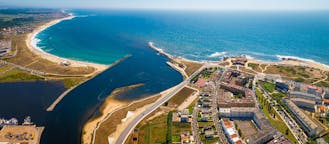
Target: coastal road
[{"x": 124, "y": 135}]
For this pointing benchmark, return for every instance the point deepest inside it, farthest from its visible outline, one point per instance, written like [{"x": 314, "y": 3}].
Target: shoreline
[
  {"x": 284, "y": 60},
  {"x": 110, "y": 106},
  {"x": 115, "y": 105},
  {"x": 31, "y": 44}
]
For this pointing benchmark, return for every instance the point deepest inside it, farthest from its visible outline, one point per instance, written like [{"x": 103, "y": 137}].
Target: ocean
[{"x": 105, "y": 36}]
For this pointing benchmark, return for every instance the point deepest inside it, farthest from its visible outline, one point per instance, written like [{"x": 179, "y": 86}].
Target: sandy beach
[
  {"x": 296, "y": 62},
  {"x": 109, "y": 106},
  {"x": 31, "y": 44}
]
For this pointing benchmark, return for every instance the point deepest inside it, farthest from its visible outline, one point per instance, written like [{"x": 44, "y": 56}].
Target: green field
[
  {"x": 18, "y": 75},
  {"x": 153, "y": 131},
  {"x": 269, "y": 87}
]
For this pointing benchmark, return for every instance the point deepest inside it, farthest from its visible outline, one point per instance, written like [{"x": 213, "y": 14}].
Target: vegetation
[
  {"x": 18, "y": 75},
  {"x": 109, "y": 126},
  {"x": 153, "y": 131},
  {"x": 191, "y": 67},
  {"x": 269, "y": 87},
  {"x": 238, "y": 96},
  {"x": 296, "y": 73},
  {"x": 178, "y": 128},
  {"x": 299, "y": 79},
  {"x": 169, "y": 128},
  {"x": 179, "y": 98},
  {"x": 71, "y": 82},
  {"x": 254, "y": 67}
]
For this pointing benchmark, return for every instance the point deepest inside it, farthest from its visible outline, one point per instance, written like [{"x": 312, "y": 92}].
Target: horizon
[{"x": 182, "y": 5}]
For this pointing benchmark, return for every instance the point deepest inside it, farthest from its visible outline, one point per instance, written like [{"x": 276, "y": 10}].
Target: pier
[
  {"x": 160, "y": 51},
  {"x": 53, "y": 105}
]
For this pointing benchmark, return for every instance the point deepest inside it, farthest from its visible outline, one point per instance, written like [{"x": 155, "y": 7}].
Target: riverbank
[
  {"x": 110, "y": 105},
  {"x": 31, "y": 43}
]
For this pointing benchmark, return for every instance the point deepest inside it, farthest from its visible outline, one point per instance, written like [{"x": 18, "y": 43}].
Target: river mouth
[{"x": 64, "y": 124}]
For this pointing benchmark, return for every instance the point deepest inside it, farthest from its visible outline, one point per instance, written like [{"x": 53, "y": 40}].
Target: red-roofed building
[{"x": 201, "y": 82}]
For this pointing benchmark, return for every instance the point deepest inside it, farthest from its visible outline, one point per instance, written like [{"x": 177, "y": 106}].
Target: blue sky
[{"x": 176, "y": 4}]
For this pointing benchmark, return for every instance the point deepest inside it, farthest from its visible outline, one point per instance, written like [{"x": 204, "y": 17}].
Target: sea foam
[{"x": 217, "y": 54}]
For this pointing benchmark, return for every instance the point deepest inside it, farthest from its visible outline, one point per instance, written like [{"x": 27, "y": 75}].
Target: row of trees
[{"x": 169, "y": 126}]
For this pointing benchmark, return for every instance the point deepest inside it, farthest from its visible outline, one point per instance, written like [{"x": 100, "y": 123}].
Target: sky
[{"x": 176, "y": 4}]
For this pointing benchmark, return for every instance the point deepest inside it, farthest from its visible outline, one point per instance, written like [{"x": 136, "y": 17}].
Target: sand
[
  {"x": 110, "y": 106},
  {"x": 73, "y": 63},
  {"x": 293, "y": 63}
]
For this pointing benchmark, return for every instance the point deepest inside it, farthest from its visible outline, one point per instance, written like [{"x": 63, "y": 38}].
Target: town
[{"x": 238, "y": 107}]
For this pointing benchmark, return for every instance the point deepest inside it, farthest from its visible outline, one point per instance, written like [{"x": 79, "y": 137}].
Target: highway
[{"x": 124, "y": 135}]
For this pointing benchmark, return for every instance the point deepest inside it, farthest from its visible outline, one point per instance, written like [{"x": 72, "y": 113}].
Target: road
[
  {"x": 220, "y": 132},
  {"x": 195, "y": 126},
  {"x": 124, "y": 135}
]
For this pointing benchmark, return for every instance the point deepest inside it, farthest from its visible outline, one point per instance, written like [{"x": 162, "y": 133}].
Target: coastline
[
  {"x": 31, "y": 44},
  {"x": 110, "y": 106},
  {"x": 284, "y": 60}
]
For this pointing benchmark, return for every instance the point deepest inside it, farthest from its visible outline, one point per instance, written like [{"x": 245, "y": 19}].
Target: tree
[
  {"x": 287, "y": 131},
  {"x": 169, "y": 125}
]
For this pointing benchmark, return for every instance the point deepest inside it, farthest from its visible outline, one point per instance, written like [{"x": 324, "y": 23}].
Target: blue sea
[{"x": 105, "y": 36}]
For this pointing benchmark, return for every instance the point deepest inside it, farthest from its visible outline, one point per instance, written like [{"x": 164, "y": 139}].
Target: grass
[
  {"x": 178, "y": 128},
  {"x": 180, "y": 97},
  {"x": 71, "y": 82},
  {"x": 323, "y": 83},
  {"x": 18, "y": 75},
  {"x": 269, "y": 87},
  {"x": 191, "y": 67},
  {"x": 277, "y": 122},
  {"x": 204, "y": 124},
  {"x": 153, "y": 131},
  {"x": 208, "y": 141},
  {"x": 254, "y": 67},
  {"x": 296, "y": 73},
  {"x": 299, "y": 80}
]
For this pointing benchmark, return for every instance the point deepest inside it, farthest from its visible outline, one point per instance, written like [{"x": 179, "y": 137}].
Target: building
[
  {"x": 241, "y": 60},
  {"x": 186, "y": 138},
  {"x": 237, "y": 112},
  {"x": 230, "y": 132},
  {"x": 304, "y": 103},
  {"x": 308, "y": 125},
  {"x": 265, "y": 130},
  {"x": 279, "y": 86},
  {"x": 234, "y": 81},
  {"x": 320, "y": 141},
  {"x": 5, "y": 47},
  {"x": 279, "y": 139},
  {"x": 208, "y": 132},
  {"x": 182, "y": 116},
  {"x": 309, "y": 92}
]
